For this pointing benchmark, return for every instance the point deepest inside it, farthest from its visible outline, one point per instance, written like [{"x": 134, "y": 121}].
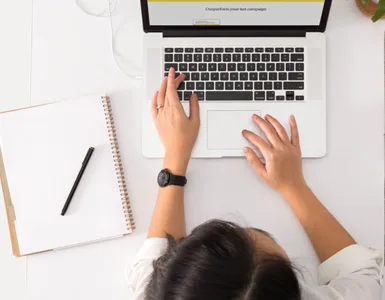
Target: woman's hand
[
  {"x": 283, "y": 165},
  {"x": 177, "y": 131}
]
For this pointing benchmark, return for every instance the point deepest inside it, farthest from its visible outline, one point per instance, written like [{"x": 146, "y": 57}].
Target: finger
[
  {"x": 194, "y": 108},
  {"x": 179, "y": 79},
  {"x": 257, "y": 141},
  {"x": 255, "y": 162},
  {"x": 171, "y": 94},
  {"x": 154, "y": 104},
  {"x": 268, "y": 130},
  {"x": 294, "y": 131},
  {"x": 281, "y": 131},
  {"x": 162, "y": 92}
]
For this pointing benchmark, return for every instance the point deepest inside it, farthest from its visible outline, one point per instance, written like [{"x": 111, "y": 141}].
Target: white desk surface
[{"x": 72, "y": 60}]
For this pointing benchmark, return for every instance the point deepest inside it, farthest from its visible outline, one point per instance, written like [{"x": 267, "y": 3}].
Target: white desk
[{"x": 349, "y": 180}]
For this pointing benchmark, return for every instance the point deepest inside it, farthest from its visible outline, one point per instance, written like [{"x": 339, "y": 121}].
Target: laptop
[{"x": 240, "y": 58}]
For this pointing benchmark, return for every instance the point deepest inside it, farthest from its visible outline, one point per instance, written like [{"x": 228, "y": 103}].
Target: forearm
[
  {"x": 168, "y": 216},
  {"x": 327, "y": 235}
]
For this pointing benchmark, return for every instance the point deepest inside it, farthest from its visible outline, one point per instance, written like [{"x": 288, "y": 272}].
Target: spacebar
[{"x": 228, "y": 96}]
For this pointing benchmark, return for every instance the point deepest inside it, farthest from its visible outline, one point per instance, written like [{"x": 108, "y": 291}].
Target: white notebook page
[{"x": 43, "y": 149}]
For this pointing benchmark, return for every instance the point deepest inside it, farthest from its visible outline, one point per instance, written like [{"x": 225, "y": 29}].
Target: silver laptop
[{"x": 240, "y": 58}]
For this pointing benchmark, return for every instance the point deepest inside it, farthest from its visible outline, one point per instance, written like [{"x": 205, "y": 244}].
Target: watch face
[{"x": 163, "y": 178}]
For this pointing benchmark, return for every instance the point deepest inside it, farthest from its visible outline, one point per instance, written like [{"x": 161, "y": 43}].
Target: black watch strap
[{"x": 177, "y": 180}]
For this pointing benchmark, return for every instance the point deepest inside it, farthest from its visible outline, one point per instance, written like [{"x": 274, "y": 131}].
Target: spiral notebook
[{"x": 42, "y": 149}]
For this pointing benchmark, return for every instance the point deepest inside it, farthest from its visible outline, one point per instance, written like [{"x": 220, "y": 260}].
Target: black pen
[{"x": 76, "y": 183}]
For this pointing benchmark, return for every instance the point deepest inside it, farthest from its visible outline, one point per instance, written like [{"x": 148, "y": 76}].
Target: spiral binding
[{"x": 118, "y": 163}]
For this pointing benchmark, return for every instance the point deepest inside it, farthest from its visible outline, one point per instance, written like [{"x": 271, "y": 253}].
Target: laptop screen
[{"x": 235, "y": 13}]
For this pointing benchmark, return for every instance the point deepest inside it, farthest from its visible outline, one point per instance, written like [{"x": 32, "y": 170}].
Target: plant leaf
[
  {"x": 364, "y": 1},
  {"x": 378, "y": 14},
  {"x": 380, "y": 11}
]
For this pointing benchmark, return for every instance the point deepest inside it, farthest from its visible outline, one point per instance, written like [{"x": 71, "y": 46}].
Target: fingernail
[
  {"x": 195, "y": 96},
  {"x": 246, "y": 150},
  {"x": 267, "y": 116},
  {"x": 292, "y": 119},
  {"x": 255, "y": 116}
]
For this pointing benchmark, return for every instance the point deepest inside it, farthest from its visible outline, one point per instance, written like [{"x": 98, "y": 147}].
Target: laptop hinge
[{"x": 231, "y": 33}]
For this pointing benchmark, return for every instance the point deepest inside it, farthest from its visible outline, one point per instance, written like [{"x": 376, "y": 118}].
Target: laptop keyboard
[{"x": 239, "y": 73}]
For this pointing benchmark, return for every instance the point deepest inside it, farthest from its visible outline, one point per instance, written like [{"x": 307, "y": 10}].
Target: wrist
[
  {"x": 175, "y": 164},
  {"x": 293, "y": 192}
]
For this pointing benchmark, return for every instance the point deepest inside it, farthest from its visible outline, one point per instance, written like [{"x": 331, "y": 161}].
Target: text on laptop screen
[{"x": 235, "y": 13}]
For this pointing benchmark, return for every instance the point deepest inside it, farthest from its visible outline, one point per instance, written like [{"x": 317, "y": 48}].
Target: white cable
[
  {"x": 116, "y": 53},
  {"x": 105, "y": 13},
  {"x": 108, "y": 13}
]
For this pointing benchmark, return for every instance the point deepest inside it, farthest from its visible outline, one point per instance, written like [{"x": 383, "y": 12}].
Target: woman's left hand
[
  {"x": 283, "y": 164},
  {"x": 177, "y": 131}
]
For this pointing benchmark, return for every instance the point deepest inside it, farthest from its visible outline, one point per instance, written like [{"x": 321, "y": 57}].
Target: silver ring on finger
[{"x": 159, "y": 107}]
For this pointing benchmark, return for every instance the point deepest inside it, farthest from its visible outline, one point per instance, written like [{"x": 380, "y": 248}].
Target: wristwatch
[{"x": 165, "y": 178}]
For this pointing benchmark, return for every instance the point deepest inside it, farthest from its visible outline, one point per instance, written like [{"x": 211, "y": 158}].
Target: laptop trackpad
[{"x": 224, "y": 128}]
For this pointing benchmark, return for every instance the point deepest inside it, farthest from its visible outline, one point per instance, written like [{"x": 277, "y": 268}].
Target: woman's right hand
[
  {"x": 282, "y": 169},
  {"x": 177, "y": 131}
]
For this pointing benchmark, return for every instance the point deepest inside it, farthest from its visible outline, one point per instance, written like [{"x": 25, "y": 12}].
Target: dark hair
[{"x": 220, "y": 261}]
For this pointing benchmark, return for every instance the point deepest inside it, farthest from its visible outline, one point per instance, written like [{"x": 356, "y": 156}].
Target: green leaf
[
  {"x": 380, "y": 11},
  {"x": 378, "y": 14},
  {"x": 364, "y": 1}
]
